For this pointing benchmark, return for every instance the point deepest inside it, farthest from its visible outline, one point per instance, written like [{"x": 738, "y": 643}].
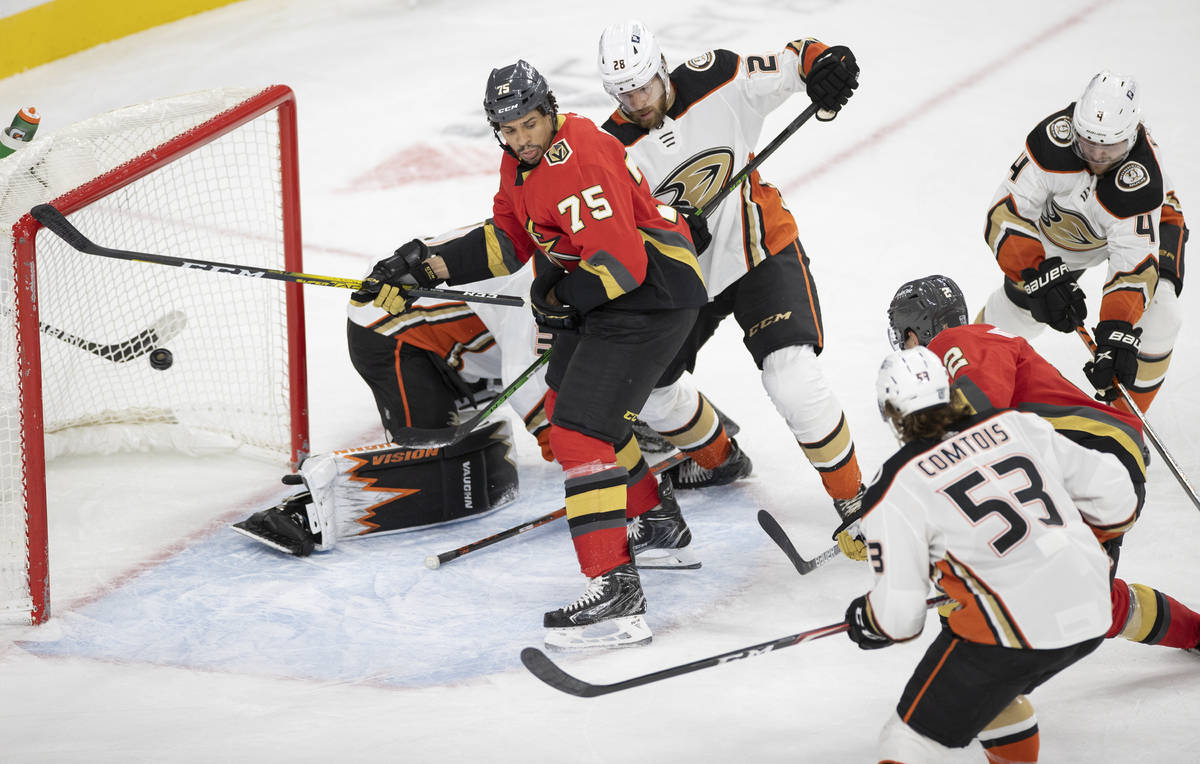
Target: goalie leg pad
[{"x": 388, "y": 489}]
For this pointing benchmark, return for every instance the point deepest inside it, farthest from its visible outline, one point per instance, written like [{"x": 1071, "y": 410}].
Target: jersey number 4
[{"x": 1009, "y": 511}]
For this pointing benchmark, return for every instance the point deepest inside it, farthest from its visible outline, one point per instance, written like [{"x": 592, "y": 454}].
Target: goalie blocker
[{"x": 384, "y": 488}]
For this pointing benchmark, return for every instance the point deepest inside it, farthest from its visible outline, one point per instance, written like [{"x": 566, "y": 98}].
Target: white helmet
[
  {"x": 912, "y": 380},
  {"x": 630, "y": 58},
  {"x": 1108, "y": 114}
]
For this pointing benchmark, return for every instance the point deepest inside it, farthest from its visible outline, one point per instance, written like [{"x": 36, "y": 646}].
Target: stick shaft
[
  {"x": 57, "y": 223},
  {"x": 538, "y": 522},
  {"x": 1149, "y": 432}
]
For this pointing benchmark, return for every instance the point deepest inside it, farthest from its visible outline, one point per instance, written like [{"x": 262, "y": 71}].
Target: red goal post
[{"x": 207, "y": 175}]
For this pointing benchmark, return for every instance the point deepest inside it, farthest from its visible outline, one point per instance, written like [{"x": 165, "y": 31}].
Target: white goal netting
[{"x": 208, "y": 175}]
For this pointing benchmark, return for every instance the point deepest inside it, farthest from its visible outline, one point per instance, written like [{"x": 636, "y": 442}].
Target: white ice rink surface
[{"x": 176, "y": 640}]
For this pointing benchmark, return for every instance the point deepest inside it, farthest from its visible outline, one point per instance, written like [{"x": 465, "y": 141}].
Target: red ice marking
[
  {"x": 423, "y": 163},
  {"x": 966, "y": 83}
]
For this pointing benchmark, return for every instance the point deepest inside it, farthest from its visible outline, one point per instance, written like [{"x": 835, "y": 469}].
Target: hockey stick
[
  {"x": 777, "y": 534},
  {"x": 550, "y": 673},
  {"x": 57, "y": 223},
  {"x": 140, "y": 344},
  {"x": 415, "y": 437},
  {"x": 1172, "y": 465},
  {"x": 433, "y": 562},
  {"x": 753, "y": 164}
]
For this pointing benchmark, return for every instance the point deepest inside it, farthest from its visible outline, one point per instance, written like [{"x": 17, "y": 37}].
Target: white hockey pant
[{"x": 794, "y": 381}]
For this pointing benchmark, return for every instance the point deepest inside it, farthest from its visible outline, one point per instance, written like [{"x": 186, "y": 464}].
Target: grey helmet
[{"x": 926, "y": 306}]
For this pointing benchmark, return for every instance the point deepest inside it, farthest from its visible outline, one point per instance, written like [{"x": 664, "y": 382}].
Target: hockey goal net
[{"x": 209, "y": 175}]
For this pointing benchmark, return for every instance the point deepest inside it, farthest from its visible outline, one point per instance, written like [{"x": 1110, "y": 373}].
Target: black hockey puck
[{"x": 161, "y": 358}]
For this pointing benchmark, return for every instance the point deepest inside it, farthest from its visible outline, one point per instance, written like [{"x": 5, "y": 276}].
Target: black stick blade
[
  {"x": 549, "y": 672},
  {"x": 780, "y": 537}
]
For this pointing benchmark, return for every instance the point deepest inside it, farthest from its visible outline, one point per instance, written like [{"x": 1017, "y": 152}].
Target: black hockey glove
[
  {"x": 1117, "y": 344},
  {"x": 863, "y": 631},
  {"x": 701, "y": 238},
  {"x": 406, "y": 267},
  {"x": 832, "y": 80},
  {"x": 1054, "y": 297},
  {"x": 550, "y": 317}
]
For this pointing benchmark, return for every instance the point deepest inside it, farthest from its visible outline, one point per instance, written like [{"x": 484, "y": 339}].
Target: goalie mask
[
  {"x": 630, "y": 61},
  {"x": 925, "y": 306},
  {"x": 1106, "y": 120},
  {"x": 910, "y": 381}
]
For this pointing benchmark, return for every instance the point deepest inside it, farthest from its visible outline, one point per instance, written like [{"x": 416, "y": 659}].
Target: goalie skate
[
  {"x": 610, "y": 613},
  {"x": 659, "y": 538},
  {"x": 284, "y": 527}
]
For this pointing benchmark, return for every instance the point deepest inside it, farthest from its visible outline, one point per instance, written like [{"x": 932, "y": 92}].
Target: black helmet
[
  {"x": 926, "y": 306},
  {"x": 515, "y": 90}
]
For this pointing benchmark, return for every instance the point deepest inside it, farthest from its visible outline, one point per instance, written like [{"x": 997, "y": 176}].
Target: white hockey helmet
[
  {"x": 1106, "y": 119},
  {"x": 912, "y": 380},
  {"x": 629, "y": 58}
]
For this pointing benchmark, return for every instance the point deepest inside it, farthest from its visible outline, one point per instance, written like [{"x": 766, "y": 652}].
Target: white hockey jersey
[
  {"x": 501, "y": 350},
  {"x": 710, "y": 133},
  {"x": 1051, "y": 205},
  {"x": 1001, "y": 517}
]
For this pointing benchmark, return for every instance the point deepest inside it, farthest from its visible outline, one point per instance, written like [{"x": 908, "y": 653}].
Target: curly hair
[{"x": 931, "y": 423}]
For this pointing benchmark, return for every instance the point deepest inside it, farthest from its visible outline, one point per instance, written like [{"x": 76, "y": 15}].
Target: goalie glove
[
  {"x": 832, "y": 80},
  {"x": 698, "y": 226},
  {"x": 1117, "y": 344},
  {"x": 1054, "y": 297},
  {"x": 862, "y": 629},
  {"x": 407, "y": 267}
]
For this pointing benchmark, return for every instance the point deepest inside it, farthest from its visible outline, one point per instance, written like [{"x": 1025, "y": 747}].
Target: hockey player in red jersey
[
  {"x": 1087, "y": 189},
  {"x": 617, "y": 282},
  {"x": 995, "y": 369},
  {"x": 689, "y": 130},
  {"x": 1003, "y": 514}
]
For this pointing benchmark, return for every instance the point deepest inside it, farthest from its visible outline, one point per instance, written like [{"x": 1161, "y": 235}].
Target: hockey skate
[
  {"x": 652, "y": 442},
  {"x": 610, "y": 613},
  {"x": 285, "y": 527},
  {"x": 689, "y": 475},
  {"x": 659, "y": 538},
  {"x": 848, "y": 534}
]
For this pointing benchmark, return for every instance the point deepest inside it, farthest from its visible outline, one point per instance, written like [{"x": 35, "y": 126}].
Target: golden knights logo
[
  {"x": 558, "y": 152},
  {"x": 1069, "y": 230},
  {"x": 697, "y": 179}
]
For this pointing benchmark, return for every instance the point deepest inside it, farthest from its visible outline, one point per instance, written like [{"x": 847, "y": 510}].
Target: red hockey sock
[{"x": 1152, "y": 618}]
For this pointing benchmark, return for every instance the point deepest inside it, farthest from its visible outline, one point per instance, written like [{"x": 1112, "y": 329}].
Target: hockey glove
[
  {"x": 862, "y": 629},
  {"x": 832, "y": 80},
  {"x": 388, "y": 279},
  {"x": 1054, "y": 297},
  {"x": 1117, "y": 344},
  {"x": 548, "y": 312},
  {"x": 701, "y": 238}
]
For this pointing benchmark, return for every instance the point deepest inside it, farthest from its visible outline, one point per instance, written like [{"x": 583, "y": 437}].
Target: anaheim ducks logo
[
  {"x": 1132, "y": 176},
  {"x": 1069, "y": 230},
  {"x": 558, "y": 152},
  {"x": 701, "y": 62},
  {"x": 697, "y": 179},
  {"x": 1060, "y": 132}
]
